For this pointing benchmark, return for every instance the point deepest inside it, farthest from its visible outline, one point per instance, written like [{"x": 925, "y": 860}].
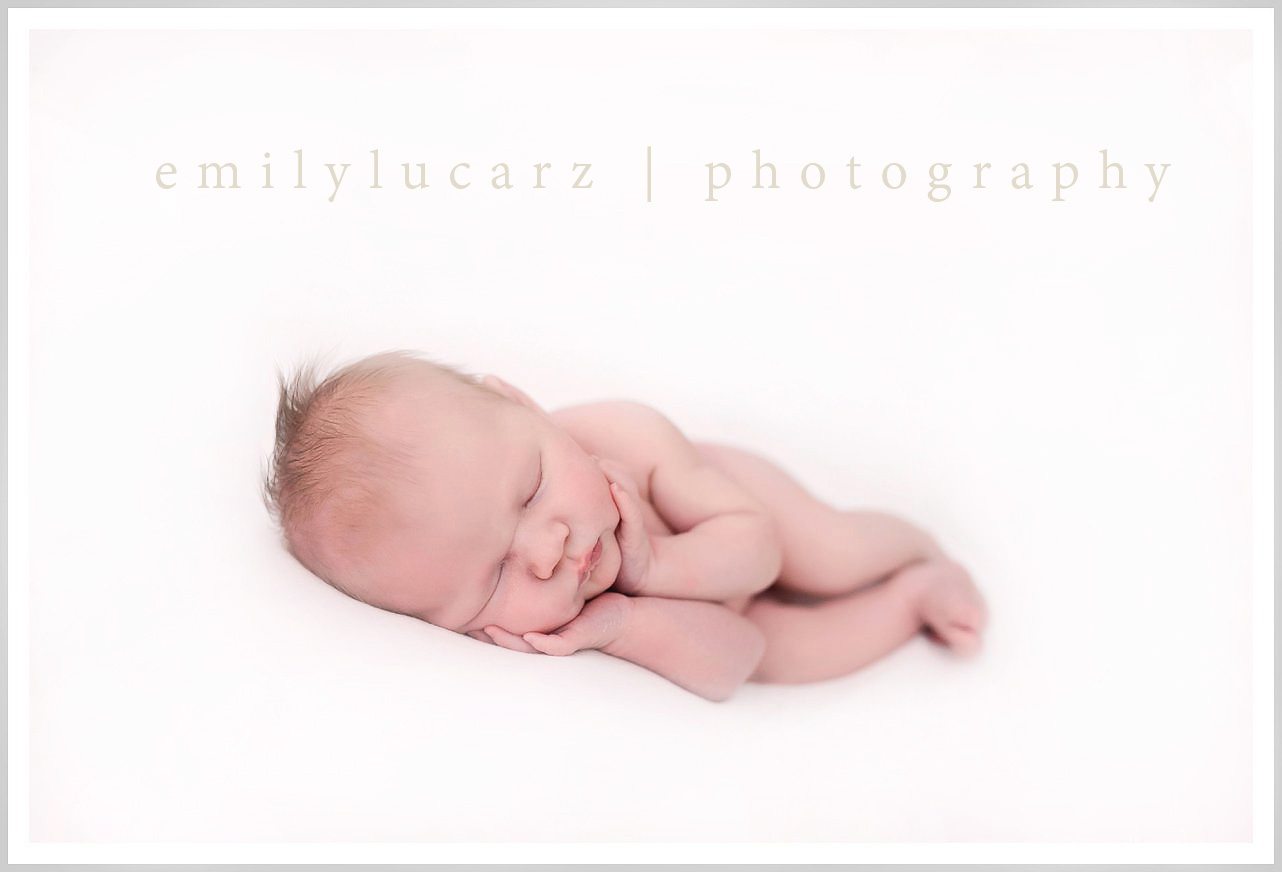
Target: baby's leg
[
  {"x": 827, "y": 615},
  {"x": 839, "y": 635},
  {"x": 826, "y": 552}
]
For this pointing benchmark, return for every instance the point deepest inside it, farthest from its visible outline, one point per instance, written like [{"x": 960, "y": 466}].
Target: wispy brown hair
[{"x": 328, "y": 471}]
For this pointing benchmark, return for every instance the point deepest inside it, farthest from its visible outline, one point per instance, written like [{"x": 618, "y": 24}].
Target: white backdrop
[{"x": 1060, "y": 391}]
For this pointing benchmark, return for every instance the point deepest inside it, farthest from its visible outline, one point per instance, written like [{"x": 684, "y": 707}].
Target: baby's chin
[{"x": 594, "y": 586}]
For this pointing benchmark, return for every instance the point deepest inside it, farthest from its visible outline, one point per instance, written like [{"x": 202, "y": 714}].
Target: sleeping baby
[{"x": 459, "y": 501}]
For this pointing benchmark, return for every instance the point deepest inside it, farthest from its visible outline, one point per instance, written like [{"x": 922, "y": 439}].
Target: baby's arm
[
  {"x": 727, "y": 545},
  {"x": 730, "y": 547},
  {"x": 701, "y": 646}
]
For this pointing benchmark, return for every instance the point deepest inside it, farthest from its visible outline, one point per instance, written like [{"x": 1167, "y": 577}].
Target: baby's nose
[
  {"x": 551, "y": 553},
  {"x": 544, "y": 566}
]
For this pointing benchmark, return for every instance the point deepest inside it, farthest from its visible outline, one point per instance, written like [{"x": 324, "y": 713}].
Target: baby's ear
[{"x": 513, "y": 393}]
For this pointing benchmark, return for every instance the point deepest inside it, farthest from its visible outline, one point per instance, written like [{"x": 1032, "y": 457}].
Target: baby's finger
[
  {"x": 616, "y": 472},
  {"x": 510, "y": 641},
  {"x": 629, "y": 513},
  {"x": 550, "y": 644}
]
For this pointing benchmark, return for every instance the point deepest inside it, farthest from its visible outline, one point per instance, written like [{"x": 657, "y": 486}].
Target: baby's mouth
[{"x": 589, "y": 561}]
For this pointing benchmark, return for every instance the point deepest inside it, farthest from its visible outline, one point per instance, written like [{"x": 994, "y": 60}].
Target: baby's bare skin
[
  {"x": 818, "y": 619},
  {"x": 603, "y": 527}
]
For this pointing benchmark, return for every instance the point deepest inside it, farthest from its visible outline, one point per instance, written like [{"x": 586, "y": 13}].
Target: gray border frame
[{"x": 572, "y": 4}]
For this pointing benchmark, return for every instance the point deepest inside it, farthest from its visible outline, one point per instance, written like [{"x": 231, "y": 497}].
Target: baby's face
[{"x": 506, "y": 520}]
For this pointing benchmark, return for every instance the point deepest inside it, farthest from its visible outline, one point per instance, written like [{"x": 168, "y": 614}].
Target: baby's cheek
[
  {"x": 542, "y": 618},
  {"x": 617, "y": 553}
]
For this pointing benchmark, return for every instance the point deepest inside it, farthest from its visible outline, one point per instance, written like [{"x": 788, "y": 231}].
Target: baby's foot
[{"x": 952, "y": 607}]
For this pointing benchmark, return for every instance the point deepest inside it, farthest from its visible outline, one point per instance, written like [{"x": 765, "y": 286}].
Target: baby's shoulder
[{"x": 620, "y": 429}]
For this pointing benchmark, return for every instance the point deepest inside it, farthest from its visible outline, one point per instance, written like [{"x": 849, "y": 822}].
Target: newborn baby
[{"x": 423, "y": 491}]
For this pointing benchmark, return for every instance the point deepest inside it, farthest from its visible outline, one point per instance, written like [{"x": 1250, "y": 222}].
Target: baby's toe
[
  {"x": 954, "y": 612},
  {"x": 963, "y": 640}
]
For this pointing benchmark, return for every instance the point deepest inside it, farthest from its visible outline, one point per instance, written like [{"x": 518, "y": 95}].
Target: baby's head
[{"x": 423, "y": 491}]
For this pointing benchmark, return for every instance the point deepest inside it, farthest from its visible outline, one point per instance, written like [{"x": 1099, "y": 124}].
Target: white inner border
[{"x": 1258, "y": 21}]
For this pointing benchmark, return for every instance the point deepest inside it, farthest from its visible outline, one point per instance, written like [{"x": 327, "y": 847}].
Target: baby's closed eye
[{"x": 538, "y": 483}]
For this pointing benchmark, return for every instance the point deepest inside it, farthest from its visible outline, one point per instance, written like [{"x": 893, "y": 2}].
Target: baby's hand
[
  {"x": 634, "y": 541},
  {"x": 501, "y": 637},
  {"x": 600, "y": 623}
]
